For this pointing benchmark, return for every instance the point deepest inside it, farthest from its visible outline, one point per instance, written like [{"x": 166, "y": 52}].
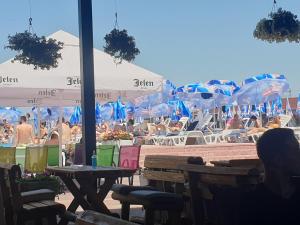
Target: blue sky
[{"x": 185, "y": 41}]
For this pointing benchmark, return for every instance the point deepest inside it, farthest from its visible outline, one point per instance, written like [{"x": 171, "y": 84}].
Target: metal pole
[{"x": 87, "y": 78}]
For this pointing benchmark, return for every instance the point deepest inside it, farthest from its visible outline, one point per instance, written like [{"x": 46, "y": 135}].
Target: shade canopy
[{"x": 21, "y": 85}]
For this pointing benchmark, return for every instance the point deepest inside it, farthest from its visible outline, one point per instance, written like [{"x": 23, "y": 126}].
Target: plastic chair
[
  {"x": 105, "y": 155},
  {"x": 78, "y": 154},
  {"x": 129, "y": 157},
  {"x": 36, "y": 159},
  {"x": 8, "y": 155},
  {"x": 20, "y": 156},
  {"x": 53, "y": 155}
]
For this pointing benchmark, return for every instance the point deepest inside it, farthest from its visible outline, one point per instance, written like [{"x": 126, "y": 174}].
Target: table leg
[
  {"x": 97, "y": 198},
  {"x": 78, "y": 193}
]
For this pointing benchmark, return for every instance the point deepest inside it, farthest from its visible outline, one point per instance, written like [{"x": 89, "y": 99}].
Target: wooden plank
[
  {"x": 94, "y": 218},
  {"x": 254, "y": 163},
  {"x": 175, "y": 177},
  {"x": 169, "y": 161},
  {"x": 219, "y": 170}
]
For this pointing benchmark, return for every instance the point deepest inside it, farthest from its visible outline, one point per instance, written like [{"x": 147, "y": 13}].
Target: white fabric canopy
[{"x": 21, "y": 85}]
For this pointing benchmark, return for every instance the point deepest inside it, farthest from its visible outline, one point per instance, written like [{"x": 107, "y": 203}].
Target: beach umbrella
[
  {"x": 161, "y": 110},
  {"x": 119, "y": 110},
  {"x": 76, "y": 116},
  {"x": 197, "y": 95},
  {"x": 106, "y": 112},
  {"x": 140, "y": 112},
  {"x": 179, "y": 109},
  {"x": 98, "y": 113},
  {"x": 167, "y": 93},
  {"x": 224, "y": 91},
  {"x": 11, "y": 115},
  {"x": 261, "y": 88}
]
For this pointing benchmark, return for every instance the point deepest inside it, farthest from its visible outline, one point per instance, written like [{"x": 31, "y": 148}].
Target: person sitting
[
  {"x": 276, "y": 200},
  {"x": 54, "y": 140},
  {"x": 275, "y": 123},
  {"x": 235, "y": 123}
]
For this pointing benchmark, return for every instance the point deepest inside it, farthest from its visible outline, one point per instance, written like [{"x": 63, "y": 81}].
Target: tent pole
[
  {"x": 39, "y": 121},
  {"x": 60, "y": 134},
  {"x": 85, "y": 21}
]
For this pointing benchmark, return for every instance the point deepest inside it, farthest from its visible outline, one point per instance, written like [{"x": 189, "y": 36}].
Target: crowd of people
[{"x": 24, "y": 133}]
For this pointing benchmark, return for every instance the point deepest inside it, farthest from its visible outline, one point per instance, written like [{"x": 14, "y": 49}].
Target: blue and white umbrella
[
  {"x": 262, "y": 88},
  {"x": 168, "y": 91},
  {"x": 76, "y": 116},
  {"x": 11, "y": 115},
  {"x": 106, "y": 112},
  {"x": 119, "y": 110},
  {"x": 224, "y": 90},
  {"x": 161, "y": 110},
  {"x": 197, "y": 95},
  {"x": 98, "y": 113}
]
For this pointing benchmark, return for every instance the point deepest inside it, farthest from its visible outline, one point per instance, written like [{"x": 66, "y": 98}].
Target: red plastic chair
[{"x": 129, "y": 157}]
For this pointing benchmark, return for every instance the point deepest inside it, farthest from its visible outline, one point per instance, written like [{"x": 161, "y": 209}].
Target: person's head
[
  {"x": 43, "y": 124},
  {"x": 236, "y": 116},
  {"x": 63, "y": 120},
  {"x": 23, "y": 119},
  {"x": 253, "y": 118},
  {"x": 54, "y": 136},
  {"x": 276, "y": 119},
  {"x": 279, "y": 150},
  {"x": 28, "y": 115}
]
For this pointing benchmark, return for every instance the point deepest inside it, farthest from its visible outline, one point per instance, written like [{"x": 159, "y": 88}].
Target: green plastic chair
[
  {"x": 20, "y": 156},
  {"x": 105, "y": 155},
  {"x": 8, "y": 155},
  {"x": 36, "y": 159},
  {"x": 53, "y": 155}
]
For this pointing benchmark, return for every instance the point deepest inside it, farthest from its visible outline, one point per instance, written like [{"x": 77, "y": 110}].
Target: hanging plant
[
  {"x": 120, "y": 45},
  {"x": 281, "y": 26},
  {"x": 34, "y": 50}
]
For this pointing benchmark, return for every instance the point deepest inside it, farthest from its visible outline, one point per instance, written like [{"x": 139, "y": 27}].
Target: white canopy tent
[{"x": 21, "y": 85}]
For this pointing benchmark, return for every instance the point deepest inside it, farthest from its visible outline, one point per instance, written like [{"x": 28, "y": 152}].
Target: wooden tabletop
[
  {"x": 219, "y": 170},
  {"x": 99, "y": 171}
]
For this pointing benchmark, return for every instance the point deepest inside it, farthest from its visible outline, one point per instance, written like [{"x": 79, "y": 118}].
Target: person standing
[
  {"x": 24, "y": 132},
  {"x": 66, "y": 132}
]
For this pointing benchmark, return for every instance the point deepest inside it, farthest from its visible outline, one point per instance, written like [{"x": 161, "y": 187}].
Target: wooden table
[
  {"x": 81, "y": 181},
  {"x": 215, "y": 190}
]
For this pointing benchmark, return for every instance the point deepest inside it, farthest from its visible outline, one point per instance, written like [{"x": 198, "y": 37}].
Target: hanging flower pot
[
  {"x": 34, "y": 50},
  {"x": 281, "y": 26},
  {"x": 120, "y": 45}
]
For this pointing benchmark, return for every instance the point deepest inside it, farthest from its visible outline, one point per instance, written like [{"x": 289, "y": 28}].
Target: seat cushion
[
  {"x": 123, "y": 189},
  {"x": 157, "y": 200},
  {"x": 37, "y": 195},
  {"x": 40, "y": 209}
]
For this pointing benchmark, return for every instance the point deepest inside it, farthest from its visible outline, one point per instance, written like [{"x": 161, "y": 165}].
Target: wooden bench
[
  {"x": 16, "y": 210},
  {"x": 164, "y": 175},
  {"x": 95, "y": 218},
  {"x": 216, "y": 191},
  {"x": 244, "y": 163}
]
